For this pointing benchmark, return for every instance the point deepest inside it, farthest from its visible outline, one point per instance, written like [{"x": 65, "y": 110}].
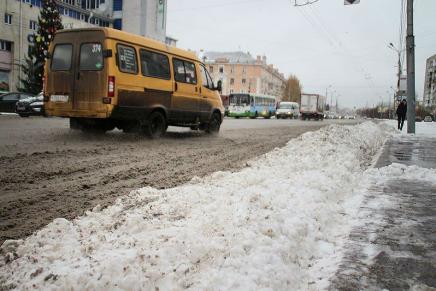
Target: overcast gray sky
[{"x": 323, "y": 44}]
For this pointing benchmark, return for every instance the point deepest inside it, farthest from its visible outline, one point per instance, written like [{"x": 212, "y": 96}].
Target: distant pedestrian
[{"x": 401, "y": 113}]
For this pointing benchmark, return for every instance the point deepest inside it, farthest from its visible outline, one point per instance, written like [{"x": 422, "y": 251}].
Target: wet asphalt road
[{"x": 48, "y": 171}]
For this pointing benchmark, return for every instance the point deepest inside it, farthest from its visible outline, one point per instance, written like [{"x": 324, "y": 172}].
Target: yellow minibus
[{"x": 102, "y": 78}]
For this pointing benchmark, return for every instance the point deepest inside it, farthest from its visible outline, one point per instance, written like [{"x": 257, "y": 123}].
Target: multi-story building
[
  {"x": 18, "y": 20},
  {"x": 430, "y": 83},
  {"x": 241, "y": 73}
]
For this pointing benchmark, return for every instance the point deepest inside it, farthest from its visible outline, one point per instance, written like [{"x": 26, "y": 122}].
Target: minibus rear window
[
  {"x": 91, "y": 57},
  {"x": 61, "y": 60}
]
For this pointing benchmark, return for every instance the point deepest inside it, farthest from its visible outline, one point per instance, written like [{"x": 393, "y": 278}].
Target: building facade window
[
  {"x": 33, "y": 25},
  {"x": 5, "y": 45},
  {"x": 4, "y": 81},
  {"x": 118, "y": 24},
  {"x": 211, "y": 69},
  {"x": 232, "y": 81},
  {"x": 8, "y": 18},
  {"x": 37, "y": 3},
  {"x": 117, "y": 5},
  {"x": 221, "y": 69},
  {"x": 243, "y": 81}
]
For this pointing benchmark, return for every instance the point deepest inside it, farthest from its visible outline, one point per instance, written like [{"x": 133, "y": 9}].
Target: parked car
[
  {"x": 418, "y": 119},
  {"x": 428, "y": 118},
  {"x": 30, "y": 106},
  {"x": 8, "y": 100}
]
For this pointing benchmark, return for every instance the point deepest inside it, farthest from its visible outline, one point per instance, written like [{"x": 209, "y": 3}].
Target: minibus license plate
[{"x": 59, "y": 98}]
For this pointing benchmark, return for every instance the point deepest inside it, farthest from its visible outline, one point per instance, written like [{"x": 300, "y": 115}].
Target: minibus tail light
[
  {"x": 111, "y": 86},
  {"x": 44, "y": 86}
]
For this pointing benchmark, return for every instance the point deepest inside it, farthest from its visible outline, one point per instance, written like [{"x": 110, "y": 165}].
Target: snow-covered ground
[
  {"x": 393, "y": 228},
  {"x": 425, "y": 128},
  {"x": 421, "y": 128},
  {"x": 278, "y": 224}
]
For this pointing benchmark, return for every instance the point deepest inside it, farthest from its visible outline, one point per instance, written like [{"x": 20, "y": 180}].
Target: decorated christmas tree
[{"x": 49, "y": 21}]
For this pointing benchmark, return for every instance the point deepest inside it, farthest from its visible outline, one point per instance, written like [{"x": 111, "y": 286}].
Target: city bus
[{"x": 251, "y": 105}]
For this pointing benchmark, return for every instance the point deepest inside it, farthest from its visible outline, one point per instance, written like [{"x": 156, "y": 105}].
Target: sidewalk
[{"x": 396, "y": 249}]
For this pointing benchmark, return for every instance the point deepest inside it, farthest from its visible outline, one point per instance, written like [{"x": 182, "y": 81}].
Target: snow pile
[
  {"x": 426, "y": 129},
  {"x": 275, "y": 225}
]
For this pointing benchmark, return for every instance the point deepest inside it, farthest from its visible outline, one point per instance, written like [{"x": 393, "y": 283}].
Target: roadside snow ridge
[{"x": 278, "y": 224}]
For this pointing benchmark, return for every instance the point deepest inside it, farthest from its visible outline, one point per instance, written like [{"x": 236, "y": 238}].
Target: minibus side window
[
  {"x": 179, "y": 70},
  {"x": 191, "y": 76},
  {"x": 210, "y": 81},
  {"x": 127, "y": 59},
  {"x": 61, "y": 60},
  {"x": 204, "y": 77},
  {"x": 184, "y": 71},
  {"x": 91, "y": 57},
  {"x": 154, "y": 65}
]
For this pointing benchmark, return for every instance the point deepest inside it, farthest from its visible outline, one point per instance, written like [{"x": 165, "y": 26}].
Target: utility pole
[
  {"x": 410, "y": 50},
  {"x": 21, "y": 43},
  {"x": 400, "y": 70}
]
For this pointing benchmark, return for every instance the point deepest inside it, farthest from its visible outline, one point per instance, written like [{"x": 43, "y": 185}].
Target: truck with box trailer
[{"x": 312, "y": 106}]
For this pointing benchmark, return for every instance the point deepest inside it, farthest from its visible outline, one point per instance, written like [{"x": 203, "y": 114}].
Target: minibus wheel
[
  {"x": 214, "y": 124},
  {"x": 156, "y": 125}
]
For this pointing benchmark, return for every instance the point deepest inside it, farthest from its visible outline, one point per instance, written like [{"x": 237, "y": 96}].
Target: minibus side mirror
[
  {"x": 107, "y": 53},
  {"x": 219, "y": 86}
]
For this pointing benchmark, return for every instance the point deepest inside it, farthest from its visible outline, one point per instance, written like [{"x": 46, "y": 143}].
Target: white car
[
  {"x": 288, "y": 110},
  {"x": 428, "y": 119}
]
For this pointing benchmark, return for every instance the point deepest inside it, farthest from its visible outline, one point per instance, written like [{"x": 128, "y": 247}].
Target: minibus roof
[{"x": 137, "y": 40}]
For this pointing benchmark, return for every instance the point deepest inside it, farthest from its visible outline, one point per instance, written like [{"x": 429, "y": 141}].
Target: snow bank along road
[
  {"x": 47, "y": 172},
  {"x": 277, "y": 224}
]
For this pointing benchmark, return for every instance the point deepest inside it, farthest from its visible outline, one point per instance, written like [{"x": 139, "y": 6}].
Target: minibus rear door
[
  {"x": 90, "y": 82},
  {"x": 60, "y": 75}
]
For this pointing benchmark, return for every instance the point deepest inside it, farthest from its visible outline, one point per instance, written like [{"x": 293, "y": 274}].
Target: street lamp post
[
  {"x": 391, "y": 46},
  {"x": 389, "y": 105},
  {"x": 398, "y": 51},
  {"x": 326, "y": 89}
]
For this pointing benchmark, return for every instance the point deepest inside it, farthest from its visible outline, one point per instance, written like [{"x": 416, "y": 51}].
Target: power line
[
  {"x": 315, "y": 27},
  {"x": 316, "y": 21}
]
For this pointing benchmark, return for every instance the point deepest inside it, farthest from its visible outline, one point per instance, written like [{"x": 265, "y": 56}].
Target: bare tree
[{"x": 292, "y": 90}]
